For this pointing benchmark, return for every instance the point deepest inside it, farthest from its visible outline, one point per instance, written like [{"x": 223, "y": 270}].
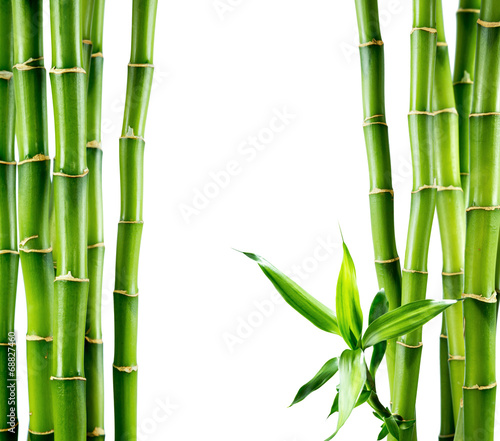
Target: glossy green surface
[
  {"x": 9, "y": 262},
  {"x": 379, "y": 160}
]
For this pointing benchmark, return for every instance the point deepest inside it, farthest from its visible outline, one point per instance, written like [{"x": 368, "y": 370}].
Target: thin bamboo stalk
[
  {"x": 420, "y": 119},
  {"x": 68, "y": 81},
  {"x": 450, "y": 207},
  {"x": 463, "y": 78},
  {"x": 95, "y": 250},
  {"x": 34, "y": 200},
  {"x": 9, "y": 256},
  {"x": 381, "y": 194},
  {"x": 483, "y": 218},
  {"x": 87, "y": 43},
  {"x": 139, "y": 83},
  {"x": 447, "y": 430}
]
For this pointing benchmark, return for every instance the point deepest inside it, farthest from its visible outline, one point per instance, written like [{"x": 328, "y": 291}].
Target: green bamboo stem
[
  {"x": 447, "y": 431},
  {"x": 414, "y": 285},
  {"x": 9, "y": 256},
  {"x": 87, "y": 18},
  {"x": 463, "y": 78},
  {"x": 379, "y": 160},
  {"x": 68, "y": 81},
  {"x": 95, "y": 250},
  {"x": 482, "y": 235},
  {"x": 139, "y": 83},
  {"x": 450, "y": 207},
  {"x": 34, "y": 200}
]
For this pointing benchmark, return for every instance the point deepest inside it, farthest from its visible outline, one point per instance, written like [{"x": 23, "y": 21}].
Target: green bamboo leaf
[
  {"x": 352, "y": 369},
  {"x": 305, "y": 304},
  {"x": 379, "y": 307},
  {"x": 383, "y": 433},
  {"x": 363, "y": 398},
  {"x": 403, "y": 320},
  {"x": 392, "y": 427},
  {"x": 328, "y": 370},
  {"x": 350, "y": 316}
]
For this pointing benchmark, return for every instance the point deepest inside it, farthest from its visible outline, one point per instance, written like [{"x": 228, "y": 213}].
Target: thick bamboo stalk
[
  {"x": 450, "y": 207},
  {"x": 420, "y": 119},
  {"x": 463, "y": 78},
  {"x": 381, "y": 194},
  {"x": 140, "y": 77},
  {"x": 483, "y": 217},
  {"x": 68, "y": 81},
  {"x": 34, "y": 200},
  {"x": 95, "y": 252},
  {"x": 447, "y": 430},
  {"x": 9, "y": 256}
]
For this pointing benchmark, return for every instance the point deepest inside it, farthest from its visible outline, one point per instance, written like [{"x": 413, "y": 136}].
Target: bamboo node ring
[
  {"x": 10, "y": 428},
  {"x": 126, "y": 369},
  {"x": 468, "y": 10},
  {"x": 459, "y": 273},
  {"x": 449, "y": 188},
  {"x": 8, "y": 162},
  {"x": 41, "y": 433},
  {"x": 382, "y": 190},
  {"x": 373, "y": 42},
  {"x": 492, "y": 208},
  {"x": 443, "y": 336},
  {"x": 38, "y": 338},
  {"x": 488, "y": 24},
  {"x": 395, "y": 259},
  {"x": 96, "y": 245},
  {"x": 96, "y": 341},
  {"x": 125, "y": 293},
  {"x": 424, "y": 187},
  {"x": 9, "y": 252},
  {"x": 141, "y": 65},
  {"x": 456, "y": 357},
  {"x": 97, "y": 55},
  {"x": 68, "y": 379},
  {"x": 69, "y": 278},
  {"x": 65, "y": 175},
  {"x": 6, "y": 75},
  {"x": 27, "y": 64},
  {"x": 477, "y": 387},
  {"x": 380, "y": 123},
  {"x": 480, "y": 298},
  {"x": 98, "y": 431},
  {"x": 475, "y": 115},
  {"x": 94, "y": 144},
  {"x": 131, "y": 222},
  {"x": 447, "y": 110},
  {"x": 28, "y": 250},
  {"x": 37, "y": 158},
  {"x": 442, "y": 44},
  {"x": 57, "y": 71},
  {"x": 86, "y": 41},
  {"x": 409, "y": 346},
  {"x": 415, "y": 271},
  {"x": 25, "y": 241},
  {"x": 374, "y": 116},
  {"x": 430, "y": 30}
]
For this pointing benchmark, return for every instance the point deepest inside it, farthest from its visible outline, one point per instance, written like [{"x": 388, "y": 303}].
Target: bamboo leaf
[
  {"x": 352, "y": 369},
  {"x": 383, "y": 433},
  {"x": 328, "y": 370},
  {"x": 392, "y": 427},
  {"x": 363, "y": 398},
  {"x": 379, "y": 307},
  {"x": 350, "y": 316},
  {"x": 305, "y": 304},
  {"x": 403, "y": 320}
]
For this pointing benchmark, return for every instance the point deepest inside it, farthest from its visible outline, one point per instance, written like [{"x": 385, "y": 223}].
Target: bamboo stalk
[
  {"x": 414, "y": 285},
  {"x": 447, "y": 430},
  {"x": 483, "y": 217},
  {"x": 34, "y": 199},
  {"x": 68, "y": 81},
  {"x": 9, "y": 256},
  {"x": 450, "y": 207},
  {"x": 139, "y": 83},
  {"x": 463, "y": 78},
  {"x": 87, "y": 16},
  {"x": 95, "y": 249},
  {"x": 375, "y": 128}
]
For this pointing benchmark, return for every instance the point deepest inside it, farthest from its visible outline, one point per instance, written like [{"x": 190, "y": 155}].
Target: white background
[{"x": 211, "y": 365}]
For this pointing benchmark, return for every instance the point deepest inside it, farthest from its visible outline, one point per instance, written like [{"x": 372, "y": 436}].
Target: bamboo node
[
  {"x": 464, "y": 174},
  {"x": 9, "y": 252},
  {"x": 420, "y": 112},
  {"x": 449, "y": 188},
  {"x": 414, "y": 271},
  {"x": 28, "y": 250},
  {"x": 37, "y": 158},
  {"x": 131, "y": 222},
  {"x": 10, "y": 428},
  {"x": 96, "y": 245},
  {"x": 451, "y": 435},
  {"x": 98, "y": 431},
  {"x": 8, "y": 162},
  {"x": 443, "y": 336},
  {"x": 141, "y": 65},
  {"x": 94, "y": 144},
  {"x": 477, "y": 387},
  {"x": 57, "y": 71},
  {"x": 95, "y": 341},
  {"x": 140, "y": 138},
  {"x": 373, "y": 42},
  {"x": 86, "y": 41},
  {"x": 456, "y": 357},
  {"x": 126, "y": 369},
  {"x": 442, "y": 44},
  {"x": 480, "y": 298},
  {"x": 65, "y": 175},
  {"x": 447, "y": 110},
  {"x": 409, "y": 346},
  {"x": 374, "y": 123},
  {"x": 430, "y": 30},
  {"x": 38, "y": 338},
  {"x": 50, "y": 432},
  {"x": 424, "y": 187},
  {"x": 7, "y": 344},
  {"x": 492, "y": 208},
  {"x": 69, "y": 278},
  {"x": 475, "y": 115},
  {"x": 6, "y": 75},
  {"x": 97, "y": 55},
  {"x": 468, "y": 10},
  {"x": 382, "y": 190},
  {"x": 395, "y": 259},
  {"x": 463, "y": 82},
  {"x": 27, "y": 64},
  {"x": 488, "y": 24},
  {"x": 459, "y": 273},
  {"x": 125, "y": 293},
  {"x": 68, "y": 379},
  {"x": 374, "y": 116}
]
